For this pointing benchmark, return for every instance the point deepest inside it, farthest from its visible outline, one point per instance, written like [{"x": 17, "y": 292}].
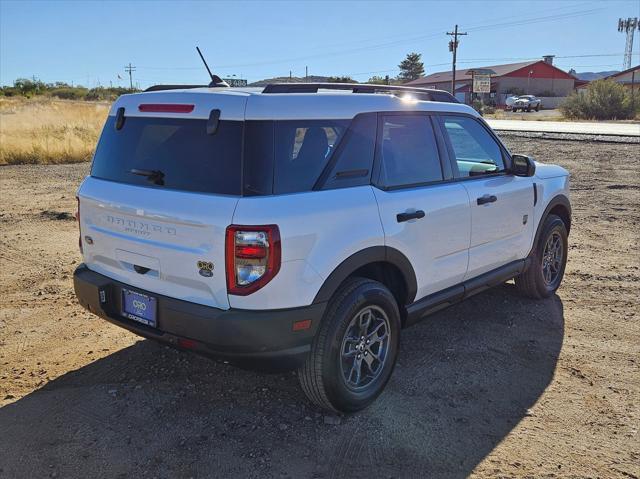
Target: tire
[
  {"x": 538, "y": 107},
  {"x": 327, "y": 377},
  {"x": 528, "y": 109},
  {"x": 542, "y": 279}
]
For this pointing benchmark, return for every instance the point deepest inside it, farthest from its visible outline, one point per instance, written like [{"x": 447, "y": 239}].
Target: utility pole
[
  {"x": 453, "y": 47},
  {"x": 628, "y": 26},
  {"x": 306, "y": 73},
  {"x": 130, "y": 69}
]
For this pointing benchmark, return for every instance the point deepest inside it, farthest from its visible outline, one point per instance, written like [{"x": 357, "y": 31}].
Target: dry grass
[{"x": 45, "y": 131}]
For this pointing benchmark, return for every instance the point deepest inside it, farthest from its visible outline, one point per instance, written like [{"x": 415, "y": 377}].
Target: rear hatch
[{"x": 163, "y": 188}]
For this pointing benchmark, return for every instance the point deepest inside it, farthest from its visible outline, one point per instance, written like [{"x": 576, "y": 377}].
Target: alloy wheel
[
  {"x": 552, "y": 258},
  {"x": 365, "y": 347}
]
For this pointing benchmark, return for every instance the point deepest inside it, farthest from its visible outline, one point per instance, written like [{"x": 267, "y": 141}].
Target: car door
[
  {"x": 424, "y": 215},
  {"x": 501, "y": 204}
]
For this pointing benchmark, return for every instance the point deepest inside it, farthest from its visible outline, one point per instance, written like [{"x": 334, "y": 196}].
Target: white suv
[{"x": 306, "y": 225}]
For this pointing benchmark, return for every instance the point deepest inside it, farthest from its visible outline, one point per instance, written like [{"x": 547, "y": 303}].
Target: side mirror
[{"x": 522, "y": 165}]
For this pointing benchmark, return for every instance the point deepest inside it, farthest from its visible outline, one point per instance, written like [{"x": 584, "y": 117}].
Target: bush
[
  {"x": 477, "y": 105},
  {"x": 341, "y": 79},
  {"x": 69, "y": 93},
  {"x": 603, "y": 100}
]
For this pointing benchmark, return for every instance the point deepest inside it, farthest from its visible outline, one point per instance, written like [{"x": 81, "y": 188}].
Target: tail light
[
  {"x": 78, "y": 221},
  {"x": 252, "y": 257}
]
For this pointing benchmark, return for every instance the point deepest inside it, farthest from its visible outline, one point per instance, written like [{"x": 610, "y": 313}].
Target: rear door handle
[
  {"x": 487, "y": 199},
  {"x": 414, "y": 215}
]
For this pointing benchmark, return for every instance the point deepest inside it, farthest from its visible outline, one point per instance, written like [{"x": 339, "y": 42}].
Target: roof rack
[
  {"x": 421, "y": 93},
  {"x": 174, "y": 87}
]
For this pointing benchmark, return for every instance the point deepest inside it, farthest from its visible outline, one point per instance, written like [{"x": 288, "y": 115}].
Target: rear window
[{"x": 171, "y": 153}]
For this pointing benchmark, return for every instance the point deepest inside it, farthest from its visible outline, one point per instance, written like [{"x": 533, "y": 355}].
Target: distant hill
[
  {"x": 309, "y": 79},
  {"x": 590, "y": 76}
]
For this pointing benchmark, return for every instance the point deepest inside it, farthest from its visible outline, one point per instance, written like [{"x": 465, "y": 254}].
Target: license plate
[{"x": 139, "y": 307}]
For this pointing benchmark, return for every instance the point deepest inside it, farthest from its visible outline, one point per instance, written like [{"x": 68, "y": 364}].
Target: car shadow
[{"x": 464, "y": 379}]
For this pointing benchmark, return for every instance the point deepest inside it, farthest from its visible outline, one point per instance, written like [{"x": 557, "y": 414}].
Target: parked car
[
  {"x": 510, "y": 100},
  {"x": 307, "y": 228},
  {"x": 527, "y": 103}
]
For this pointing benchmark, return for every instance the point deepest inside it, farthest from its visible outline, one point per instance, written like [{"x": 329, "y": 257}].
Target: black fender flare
[
  {"x": 561, "y": 200},
  {"x": 373, "y": 254}
]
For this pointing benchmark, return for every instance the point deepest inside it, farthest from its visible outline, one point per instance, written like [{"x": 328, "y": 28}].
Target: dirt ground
[{"x": 499, "y": 386}]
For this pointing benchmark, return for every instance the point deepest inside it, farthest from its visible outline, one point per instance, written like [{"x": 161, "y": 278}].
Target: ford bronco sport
[{"x": 308, "y": 224}]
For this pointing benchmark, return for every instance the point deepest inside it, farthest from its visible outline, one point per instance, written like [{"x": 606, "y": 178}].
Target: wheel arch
[
  {"x": 560, "y": 206},
  {"x": 382, "y": 263}
]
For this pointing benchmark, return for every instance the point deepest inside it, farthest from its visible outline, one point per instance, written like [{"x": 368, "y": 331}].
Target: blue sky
[{"x": 89, "y": 42}]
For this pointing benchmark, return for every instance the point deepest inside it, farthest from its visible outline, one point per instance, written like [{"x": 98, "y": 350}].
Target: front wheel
[
  {"x": 354, "y": 352},
  {"x": 548, "y": 261}
]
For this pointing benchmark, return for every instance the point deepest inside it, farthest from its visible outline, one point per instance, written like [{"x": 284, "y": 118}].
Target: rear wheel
[
  {"x": 548, "y": 261},
  {"x": 538, "y": 107},
  {"x": 354, "y": 352}
]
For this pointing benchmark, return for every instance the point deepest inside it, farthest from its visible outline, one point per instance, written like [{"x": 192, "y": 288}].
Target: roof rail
[
  {"x": 174, "y": 87},
  {"x": 422, "y": 93}
]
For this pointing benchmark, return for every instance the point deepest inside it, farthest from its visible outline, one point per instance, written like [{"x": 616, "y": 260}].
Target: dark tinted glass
[
  {"x": 178, "y": 151},
  {"x": 302, "y": 149},
  {"x": 475, "y": 150},
  {"x": 354, "y": 157},
  {"x": 443, "y": 96},
  {"x": 409, "y": 151},
  {"x": 258, "y": 158}
]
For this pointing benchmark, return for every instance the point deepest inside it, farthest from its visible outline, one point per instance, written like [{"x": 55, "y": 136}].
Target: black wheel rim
[
  {"x": 552, "y": 259},
  {"x": 365, "y": 347}
]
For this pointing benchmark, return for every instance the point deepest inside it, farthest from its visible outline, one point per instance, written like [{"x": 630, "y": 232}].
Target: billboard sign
[
  {"x": 235, "y": 82},
  {"x": 481, "y": 83}
]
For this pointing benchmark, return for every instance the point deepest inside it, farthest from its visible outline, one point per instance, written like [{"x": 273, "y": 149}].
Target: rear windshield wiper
[{"x": 155, "y": 176}]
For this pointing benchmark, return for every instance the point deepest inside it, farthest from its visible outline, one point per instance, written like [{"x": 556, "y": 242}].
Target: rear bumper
[{"x": 255, "y": 338}]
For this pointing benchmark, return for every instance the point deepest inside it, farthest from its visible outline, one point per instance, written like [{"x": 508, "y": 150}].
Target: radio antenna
[{"x": 216, "y": 81}]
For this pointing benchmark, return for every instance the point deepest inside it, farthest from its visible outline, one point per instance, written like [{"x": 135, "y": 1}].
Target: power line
[
  {"x": 414, "y": 39},
  {"x": 453, "y": 47},
  {"x": 129, "y": 68}
]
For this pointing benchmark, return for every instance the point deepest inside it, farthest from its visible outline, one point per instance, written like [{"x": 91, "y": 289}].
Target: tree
[
  {"x": 28, "y": 87},
  {"x": 377, "y": 80},
  {"x": 411, "y": 68}
]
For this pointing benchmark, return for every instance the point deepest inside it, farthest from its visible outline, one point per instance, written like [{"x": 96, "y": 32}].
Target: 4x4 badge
[{"x": 205, "y": 268}]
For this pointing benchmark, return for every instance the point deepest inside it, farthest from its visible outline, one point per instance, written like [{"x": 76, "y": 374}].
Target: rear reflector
[
  {"x": 187, "y": 343},
  {"x": 165, "y": 108},
  {"x": 301, "y": 325}
]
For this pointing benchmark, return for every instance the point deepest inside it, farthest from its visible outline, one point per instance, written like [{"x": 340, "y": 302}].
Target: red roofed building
[{"x": 538, "y": 77}]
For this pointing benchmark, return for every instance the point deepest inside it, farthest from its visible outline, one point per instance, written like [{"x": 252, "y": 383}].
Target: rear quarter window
[
  {"x": 187, "y": 158},
  {"x": 302, "y": 149}
]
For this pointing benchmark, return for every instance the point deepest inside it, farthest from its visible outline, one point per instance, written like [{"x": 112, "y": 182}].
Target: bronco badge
[{"x": 205, "y": 268}]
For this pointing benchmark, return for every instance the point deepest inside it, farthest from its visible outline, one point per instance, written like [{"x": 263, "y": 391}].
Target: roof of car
[{"x": 248, "y": 103}]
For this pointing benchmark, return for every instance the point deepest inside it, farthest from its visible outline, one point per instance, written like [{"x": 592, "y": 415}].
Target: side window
[
  {"x": 409, "y": 152},
  {"x": 353, "y": 160},
  {"x": 302, "y": 148},
  {"x": 475, "y": 150}
]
